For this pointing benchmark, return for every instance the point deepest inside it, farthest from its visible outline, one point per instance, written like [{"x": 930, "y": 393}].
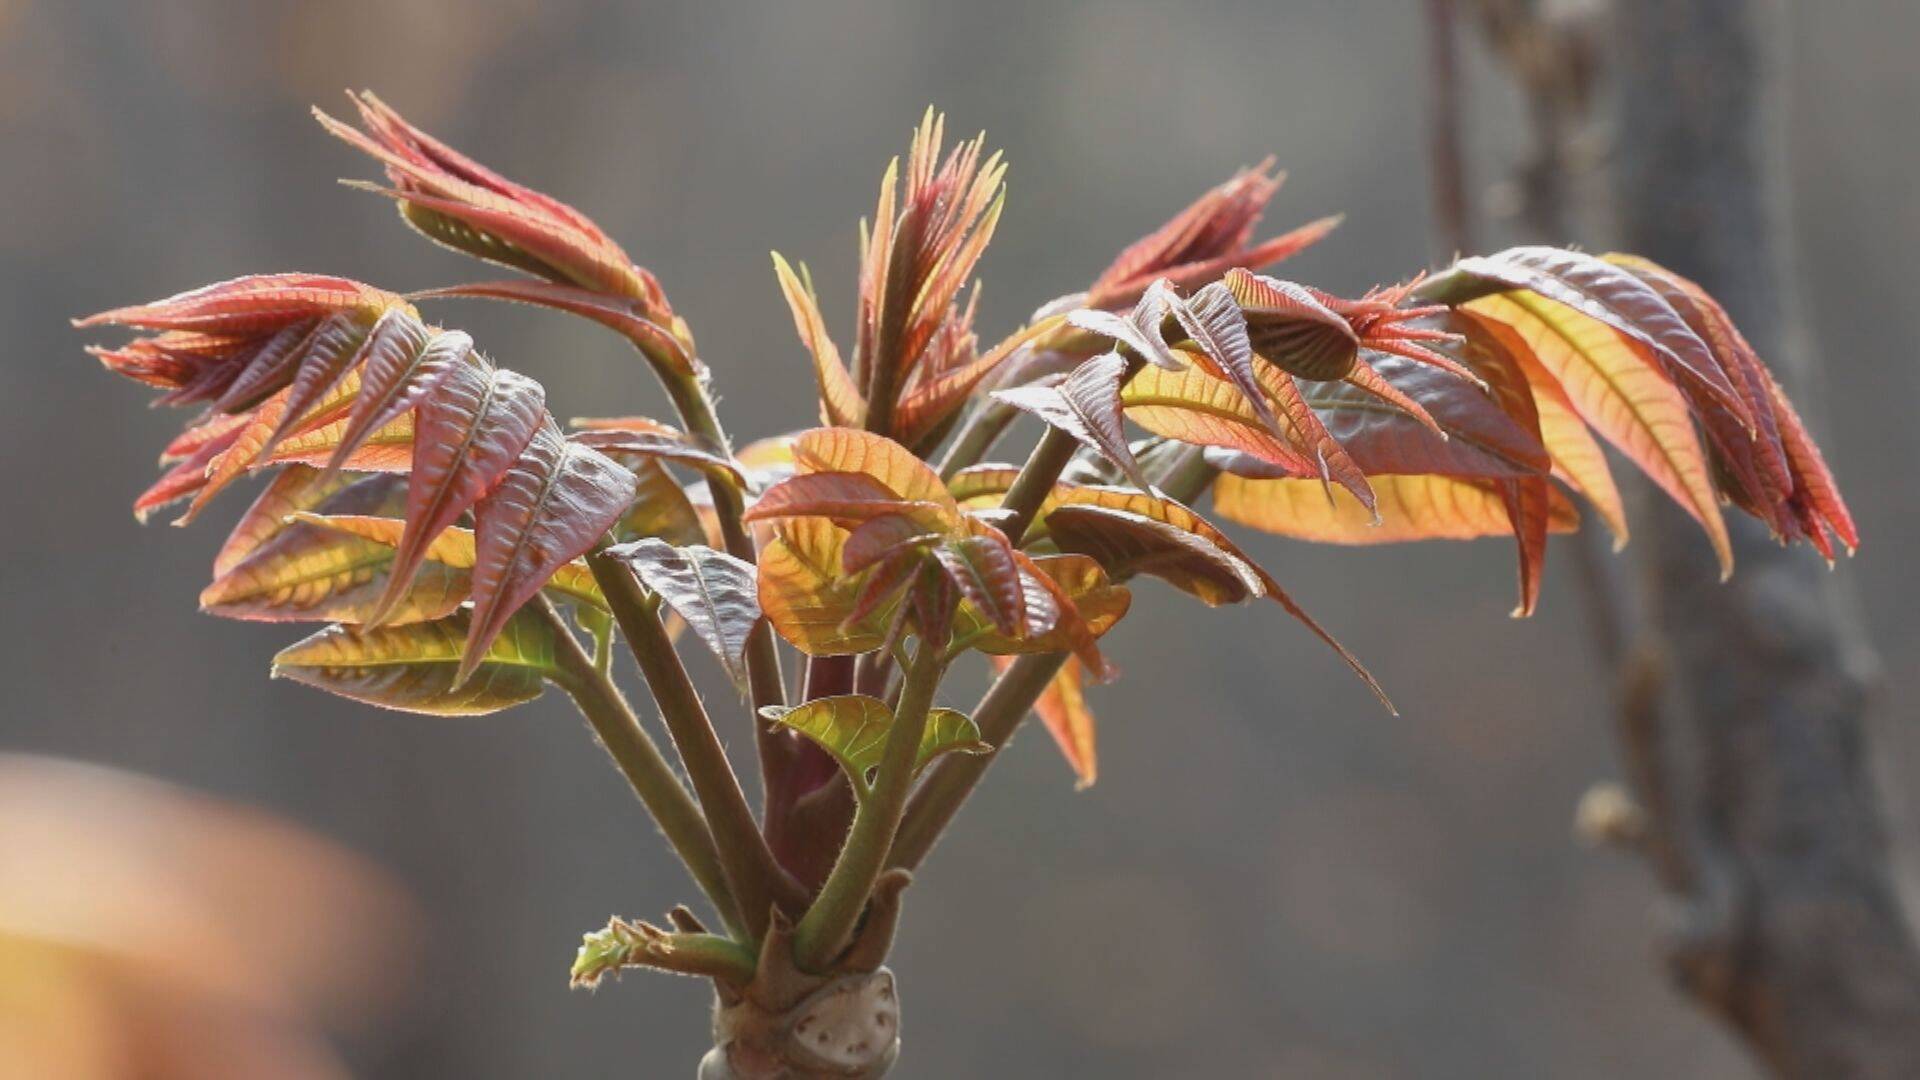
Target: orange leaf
[
  {"x": 840, "y": 400},
  {"x": 1624, "y": 394},
  {"x": 837, "y": 449}
]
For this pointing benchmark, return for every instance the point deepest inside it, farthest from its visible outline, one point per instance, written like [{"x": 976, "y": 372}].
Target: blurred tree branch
[{"x": 1742, "y": 706}]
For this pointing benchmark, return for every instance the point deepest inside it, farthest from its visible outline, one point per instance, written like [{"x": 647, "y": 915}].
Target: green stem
[
  {"x": 986, "y": 422},
  {"x": 765, "y": 686},
  {"x": 641, "y": 762},
  {"x": 949, "y": 783},
  {"x": 743, "y": 852},
  {"x": 1035, "y": 482},
  {"x": 829, "y": 923}
]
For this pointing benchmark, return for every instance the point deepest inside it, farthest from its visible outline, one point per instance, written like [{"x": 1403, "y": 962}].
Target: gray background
[{"x": 1271, "y": 878}]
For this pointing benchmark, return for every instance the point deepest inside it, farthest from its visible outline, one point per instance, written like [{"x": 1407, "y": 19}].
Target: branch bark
[{"x": 1790, "y": 930}]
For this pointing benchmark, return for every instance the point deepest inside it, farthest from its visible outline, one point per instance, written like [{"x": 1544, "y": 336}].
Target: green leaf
[
  {"x": 412, "y": 668},
  {"x": 852, "y": 729}
]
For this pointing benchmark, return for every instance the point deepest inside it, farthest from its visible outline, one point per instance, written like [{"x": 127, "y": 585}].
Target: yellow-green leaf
[
  {"x": 413, "y": 668},
  {"x": 852, "y": 729}
]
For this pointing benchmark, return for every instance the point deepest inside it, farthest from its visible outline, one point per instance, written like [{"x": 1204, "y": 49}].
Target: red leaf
[
  {"x": 466, "y": 434},
  {"x": 555, "y": 503},
  {"x": 626, "y": 318},
  {"x": 405, "y": 361},
  {"x": 982, "y": 567},
  {"x": 846, "y": 498}
]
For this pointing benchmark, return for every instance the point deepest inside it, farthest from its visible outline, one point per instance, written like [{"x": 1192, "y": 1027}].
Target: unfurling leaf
[
  {"x": 556, "y": 502},
  {"x": 840, "y": 400},
  {"x": 852, "y": 728},
  {"x": 404, "y": 363},
  {"x": 417, "y": 668},
  {"x": 717, "y": 594},
  {"x": 1093, "y": 605},
  {"x": 1292, "y": 329},
  {"x": 983, "y": 568},
  {"x": 625, "y": 944},
  {"x": 1205, "y": 239},
  {"x": 457, "y": 202},
  {"x": 1212, "y": 318}
]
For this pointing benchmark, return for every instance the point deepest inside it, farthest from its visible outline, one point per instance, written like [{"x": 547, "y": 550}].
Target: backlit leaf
[
  {"x": 809, "y": 598},
  {"x": 306, "y": 572},
  {"x": 853, "y": 728},
  {"x": 1622, "y": 393},
  {"x": 717, "y": 594},
  {"x": 853, "y": 451},
  {"x": 293, "y": 489},
  {"x": 1097, "y": 602},
  {"x": 1411, "y": 508},
  {"x": 1212, "y": 318},
  {"x": 1130, "y": 532},
  {"x": 467, "y": 434},
  {"x": 1577, "y": 458},
  {"x": 840, "y": 400},
  {"x": 417, "y": 668},
  {"x": 552, "y": 505},
  {"x": 1193, "y": 407},
  {"x": 1062, "y": 709},
  {"x": 454, "y": 548},
  {"x": 1587, "y": 286}
]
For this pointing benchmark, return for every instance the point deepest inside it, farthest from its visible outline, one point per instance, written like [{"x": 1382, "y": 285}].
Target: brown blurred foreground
[{"x": 149, "y": 931}]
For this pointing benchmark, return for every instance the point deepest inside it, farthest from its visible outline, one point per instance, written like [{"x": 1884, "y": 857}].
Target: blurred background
[{"x": 1271, "y": 878}]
